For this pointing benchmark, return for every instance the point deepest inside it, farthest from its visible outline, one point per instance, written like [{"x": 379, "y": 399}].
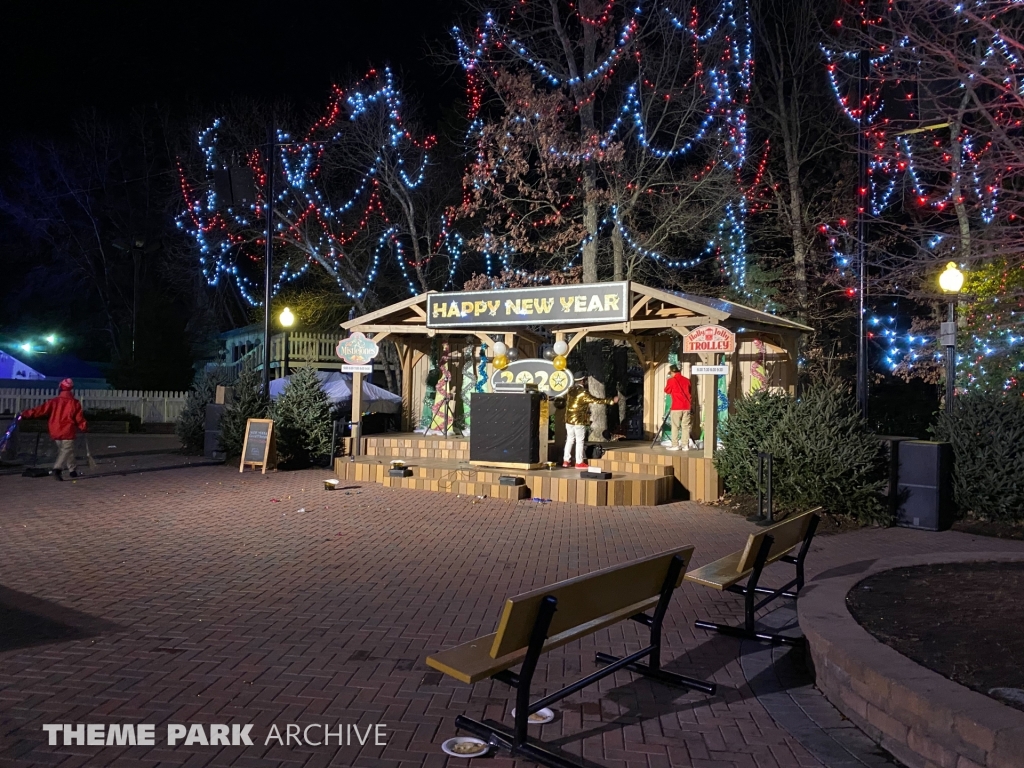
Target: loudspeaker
[
  {"x": 506, "y": 427},
  {"x": 925, "y": 489}
]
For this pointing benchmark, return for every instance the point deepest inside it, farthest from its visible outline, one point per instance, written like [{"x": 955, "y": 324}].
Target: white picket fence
[{"x": 151, "y": 407}]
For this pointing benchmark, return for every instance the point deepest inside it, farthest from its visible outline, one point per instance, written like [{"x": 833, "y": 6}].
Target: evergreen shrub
[
  {"x": 822, "y": 452},
  {"x": 249, "y": 403},
  {"x": 190, "y": 426},
  {"x": 302, "y": 421},
  {"x": 744, "y": 434},
  {"x": 987, "y": 433}
]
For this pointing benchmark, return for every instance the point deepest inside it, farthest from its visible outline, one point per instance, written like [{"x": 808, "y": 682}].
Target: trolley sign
[
  {"x": 709, "y": 338},
  {"x": 531, "y": 371}
]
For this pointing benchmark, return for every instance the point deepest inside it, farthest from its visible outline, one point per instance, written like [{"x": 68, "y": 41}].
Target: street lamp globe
[
  {"x": 286, "y": 318},
  {"x": 952, "y": 279},
  {"x": 51, "y": 339}
]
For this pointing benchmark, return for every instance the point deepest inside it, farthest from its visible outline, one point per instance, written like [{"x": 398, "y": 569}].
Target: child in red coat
[{"x": 65, "y": 421}]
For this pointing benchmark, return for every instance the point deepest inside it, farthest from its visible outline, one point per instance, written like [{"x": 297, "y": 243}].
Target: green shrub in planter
[
  {"x": 824, "y": 455},
  {"x": 249, "y": 403},
  {"x": 987, "y": 433},
  {"x": 744, "y": 434},
  {"x": 191, "y": 424},
  {"x": 302, "y": 421},
  {"x": 822, "y": 452}
]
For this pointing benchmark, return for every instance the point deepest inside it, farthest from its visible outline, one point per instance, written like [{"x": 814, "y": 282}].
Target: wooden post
[
  {"x": 709, "y": 406},
  {"x": 405, "y": 357},
  {"x": 791, "y": 342},
  {"x": 656, "y": 353},
  {"x": 357, "y": 413}
]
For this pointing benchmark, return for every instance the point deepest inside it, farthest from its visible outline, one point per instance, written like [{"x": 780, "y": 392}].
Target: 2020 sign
[{"x": 531, "y": 371}]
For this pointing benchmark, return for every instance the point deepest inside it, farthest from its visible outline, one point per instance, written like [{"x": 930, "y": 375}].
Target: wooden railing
[
  {"x": 151, "y": 407},
  {"x": 316, "y": 348}
]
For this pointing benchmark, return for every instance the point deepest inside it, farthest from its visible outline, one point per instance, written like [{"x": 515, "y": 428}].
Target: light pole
[
  {"x": 951, "y": 281},
  {"x": 286, "y": 319}
]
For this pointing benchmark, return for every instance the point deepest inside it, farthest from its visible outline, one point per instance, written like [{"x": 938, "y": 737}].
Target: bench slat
[
  {"x": 718, "y": 574},
  {"x": 585, "y": 600},
  {"x": 787, "y": 534},
  {"x": 733, "y": 568},
  {"x": 472, "y": 661}
]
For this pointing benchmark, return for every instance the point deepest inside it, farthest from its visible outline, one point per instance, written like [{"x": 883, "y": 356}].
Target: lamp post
[
  {"x": 951, "y": 281},
  {"x": 286, "y": 319}
]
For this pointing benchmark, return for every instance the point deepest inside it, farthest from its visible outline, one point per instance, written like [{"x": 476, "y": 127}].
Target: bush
[
  {"x": 987, "y": 433},
  {"x": 822, "y": 452},
  {"x": 191, "y": 424},
  {"x": 302, "y": 421},
  {"x": 249, "y": 403},
  {"x": 744, "y": 434},
  {"x": 824, "y": 455}
]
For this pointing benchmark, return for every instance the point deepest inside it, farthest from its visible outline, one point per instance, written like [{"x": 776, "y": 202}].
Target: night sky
[{"x": 58, "y": 58}]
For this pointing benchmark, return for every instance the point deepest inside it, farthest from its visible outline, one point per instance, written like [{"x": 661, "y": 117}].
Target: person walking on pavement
[
  {"x": 65, "y": 421},
  {"x": 577, "y": 416},
  {"x": 678, "y": 388}
]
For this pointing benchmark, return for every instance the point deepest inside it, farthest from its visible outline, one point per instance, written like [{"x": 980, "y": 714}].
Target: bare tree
[
  {"x": 96, "y": 203},
  {"x": 602, "y": 118},
  {"x": 353, "y": 198}
]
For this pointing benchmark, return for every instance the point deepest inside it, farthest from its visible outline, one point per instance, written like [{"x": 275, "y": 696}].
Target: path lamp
[
  {"x": 287, "y": 320},
  {"x": 951, "y": 281}
]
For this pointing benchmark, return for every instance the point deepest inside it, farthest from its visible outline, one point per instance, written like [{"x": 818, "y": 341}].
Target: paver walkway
[{"x": 205, "y": 596}]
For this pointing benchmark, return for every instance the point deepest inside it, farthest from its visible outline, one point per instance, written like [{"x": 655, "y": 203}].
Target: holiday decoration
[
  {"x": 551, "y": 129},
  {"x": 352, "y": 237}
]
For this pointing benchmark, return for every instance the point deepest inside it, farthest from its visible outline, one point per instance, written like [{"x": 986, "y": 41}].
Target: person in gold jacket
[{"x": 577, "y": 417}]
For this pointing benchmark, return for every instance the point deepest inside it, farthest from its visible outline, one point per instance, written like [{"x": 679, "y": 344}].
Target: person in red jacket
[
  {"x": 679, "y": 388},
  {"x": 65, "y": 421}
]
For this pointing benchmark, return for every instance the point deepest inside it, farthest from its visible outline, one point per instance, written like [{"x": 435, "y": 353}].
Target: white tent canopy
[{"x": 338, "y": 387}]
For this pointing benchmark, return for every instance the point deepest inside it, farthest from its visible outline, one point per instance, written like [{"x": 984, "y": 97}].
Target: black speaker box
[
  {"x": 925, "y": 489},
  {"x": 506, "y": 427}
]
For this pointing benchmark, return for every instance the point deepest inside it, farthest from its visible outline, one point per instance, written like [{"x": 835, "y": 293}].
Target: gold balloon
[
  {"x": 500, "y": 362},
  {"x": 559, "y": 362}
]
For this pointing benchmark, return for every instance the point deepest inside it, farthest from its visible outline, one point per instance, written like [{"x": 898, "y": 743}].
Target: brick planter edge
[{"x": 919, "y": 716}]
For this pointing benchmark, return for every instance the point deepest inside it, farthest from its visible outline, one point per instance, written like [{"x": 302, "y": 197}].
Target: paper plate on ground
[
  {"x": 541, "y": 716},
  {"x": 465, "y": 746}
]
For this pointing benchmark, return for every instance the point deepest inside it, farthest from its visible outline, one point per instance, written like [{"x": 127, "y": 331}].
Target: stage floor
[{"x": 641, "y": 475}]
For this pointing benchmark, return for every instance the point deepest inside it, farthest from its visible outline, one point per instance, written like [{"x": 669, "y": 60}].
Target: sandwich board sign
[{"x": 259, "y": 448}]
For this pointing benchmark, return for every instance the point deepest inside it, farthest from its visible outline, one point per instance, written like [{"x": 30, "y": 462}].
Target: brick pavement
[{"x": 204, "y": 601}]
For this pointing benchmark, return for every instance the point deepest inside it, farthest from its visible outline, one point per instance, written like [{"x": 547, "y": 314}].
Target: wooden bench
[
  {"x": 763, "y": 548},
  {"x": 536, "y": 622}
]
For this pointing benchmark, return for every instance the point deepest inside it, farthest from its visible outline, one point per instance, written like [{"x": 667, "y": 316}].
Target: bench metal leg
[
  {"x": 653, "y": 668},
  {"x": 742, "y": 633},
  {"x": 500, "y": 737},
  {"x": 748, "y": 631},
  {"x": 660, "y": 675}
]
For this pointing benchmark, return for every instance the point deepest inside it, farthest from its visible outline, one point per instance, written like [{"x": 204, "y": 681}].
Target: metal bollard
[{"x": 764, "y": 488}]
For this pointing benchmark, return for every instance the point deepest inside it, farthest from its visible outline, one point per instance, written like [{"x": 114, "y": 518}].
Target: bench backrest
[
  {"x": 787, "y": 534},
  {"x": 587, "y": 599}
]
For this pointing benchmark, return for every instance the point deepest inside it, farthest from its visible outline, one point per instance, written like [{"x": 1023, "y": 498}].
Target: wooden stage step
[
  {"x": 556, "y": 485},
  {"x": 640, "y": 474}
]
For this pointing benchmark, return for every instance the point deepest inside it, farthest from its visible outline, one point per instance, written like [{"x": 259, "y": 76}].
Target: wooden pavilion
[{"x": 651, "y": 323}]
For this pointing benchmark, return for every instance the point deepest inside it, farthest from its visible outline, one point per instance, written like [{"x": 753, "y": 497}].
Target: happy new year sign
[{"x": 548, "y": 305}]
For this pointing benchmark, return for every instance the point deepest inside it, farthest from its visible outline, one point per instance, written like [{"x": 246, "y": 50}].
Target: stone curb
[{"x": 923, "y": 719}]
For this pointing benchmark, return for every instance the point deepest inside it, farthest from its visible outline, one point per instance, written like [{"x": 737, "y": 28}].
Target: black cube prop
[
  {"x": 506, "y": 428},
  {"x": 925, "y": 489}
]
